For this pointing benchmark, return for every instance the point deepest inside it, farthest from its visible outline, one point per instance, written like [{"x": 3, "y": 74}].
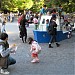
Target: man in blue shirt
[{"x": 43, "y": 10}]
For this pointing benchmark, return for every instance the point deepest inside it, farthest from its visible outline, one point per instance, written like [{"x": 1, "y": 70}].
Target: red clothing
[
  {"x": 19, "y": 19},
  {"x": 34, "y": 49},
  {"x": 34, "y": 55}
]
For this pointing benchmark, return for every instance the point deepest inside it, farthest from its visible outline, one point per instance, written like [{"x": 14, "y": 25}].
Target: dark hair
[
  {"x": 54, "y": 10},
  {"x": 44, "y": 5},
  {"x": 47, "y": 20},
  {"x": 30, "y": 39},
  {"x": 3, "y": 36},
  {"x": 53, "y": 17}
]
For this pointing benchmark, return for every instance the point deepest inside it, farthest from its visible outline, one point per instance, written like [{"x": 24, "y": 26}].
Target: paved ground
[{"x": 55, "y": 61}]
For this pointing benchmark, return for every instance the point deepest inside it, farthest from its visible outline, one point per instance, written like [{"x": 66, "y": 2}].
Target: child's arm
[
  {"x": 31, "y": 49},
  {"x": 38, "y": 48}
]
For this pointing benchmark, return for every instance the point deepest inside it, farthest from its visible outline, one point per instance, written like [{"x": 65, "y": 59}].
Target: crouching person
[{"x": 5, "y": 50}]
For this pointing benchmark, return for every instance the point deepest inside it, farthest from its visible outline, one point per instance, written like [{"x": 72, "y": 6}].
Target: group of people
[
  {"x": 51, "y": 26},
  {"x": 10, "y": 16},
  {"x": 5, "y": 49}
]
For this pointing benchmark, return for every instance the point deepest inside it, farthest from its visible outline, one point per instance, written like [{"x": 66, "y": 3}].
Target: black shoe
[
  {"x": 57, "y": 44},
  {"x": 50, "y": 46}
]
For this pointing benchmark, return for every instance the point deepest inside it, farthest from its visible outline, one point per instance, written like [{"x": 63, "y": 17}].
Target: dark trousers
[
  {"x": 23, "y": 33},
  {"x": 53, "y": 39},
  {"x": 25, "y": 37}
]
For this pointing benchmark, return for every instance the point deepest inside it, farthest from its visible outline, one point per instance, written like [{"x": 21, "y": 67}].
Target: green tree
[{"x": 35, "y": 5}]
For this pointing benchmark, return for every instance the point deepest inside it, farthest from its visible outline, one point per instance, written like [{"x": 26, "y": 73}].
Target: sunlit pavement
[{"x": 55, "y": 61}]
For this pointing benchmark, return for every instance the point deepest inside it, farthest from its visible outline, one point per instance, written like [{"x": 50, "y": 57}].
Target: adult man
[
  {"x": 53, "y": 31},
  {"x": 5, "y": 50},
  {"x": 43, "y": 11}
]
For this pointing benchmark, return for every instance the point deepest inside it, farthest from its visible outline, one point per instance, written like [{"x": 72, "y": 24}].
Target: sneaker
[
  {"x": 34, "y": 61},
  {"x": 4, "y": 71},
  {"x": 37, "y": 60}
]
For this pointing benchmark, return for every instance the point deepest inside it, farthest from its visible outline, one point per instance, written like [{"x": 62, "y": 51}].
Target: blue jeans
[{"x": 11, "y": 61}]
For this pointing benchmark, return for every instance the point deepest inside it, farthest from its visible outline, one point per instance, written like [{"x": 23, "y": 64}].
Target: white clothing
[{"x": 35, "y": 47}]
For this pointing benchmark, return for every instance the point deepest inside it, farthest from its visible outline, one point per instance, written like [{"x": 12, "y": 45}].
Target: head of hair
[
  {"x": 47, "y": 20},
  {"x": 44, "y": 5},
  {"x": 53, "y": 16},
  {"x": 54, "y": 10},
  {"x": 59, "y": 5},
  {"x": 30, "y": 39},
  {"x": 3, "y": 36}
]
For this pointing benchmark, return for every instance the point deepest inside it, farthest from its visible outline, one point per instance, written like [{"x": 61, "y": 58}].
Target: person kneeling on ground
[{"x": 5, "y": 50}]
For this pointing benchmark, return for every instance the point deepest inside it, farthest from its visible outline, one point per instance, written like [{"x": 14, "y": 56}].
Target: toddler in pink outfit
[{"x": 35, "y": 49}]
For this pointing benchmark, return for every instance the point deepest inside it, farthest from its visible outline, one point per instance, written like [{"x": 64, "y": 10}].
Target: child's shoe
[
  {"x": 34, "y": 61},
  {"x": 37, "y": 60}
]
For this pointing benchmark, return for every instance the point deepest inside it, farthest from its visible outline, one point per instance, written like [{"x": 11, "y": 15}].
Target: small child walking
[{"x": 35, "y": 49}]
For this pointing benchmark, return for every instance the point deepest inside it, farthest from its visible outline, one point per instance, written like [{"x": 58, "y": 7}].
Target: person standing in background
[
  {"x": 47, "y": 24},
  {"x": 23, "y": 30},
  {"x": 53, "y": 31},
  {"x": 43, "y": 11},
  {"x": 35, "y": 21},
  {"x": 3, "y": 25}
]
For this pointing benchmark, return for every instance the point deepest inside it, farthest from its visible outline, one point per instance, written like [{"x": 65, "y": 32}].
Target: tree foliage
[{"x": 35, "y": 5}]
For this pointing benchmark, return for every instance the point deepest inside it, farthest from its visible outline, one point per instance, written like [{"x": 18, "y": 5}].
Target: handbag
[{"x": 3, "y": 61}]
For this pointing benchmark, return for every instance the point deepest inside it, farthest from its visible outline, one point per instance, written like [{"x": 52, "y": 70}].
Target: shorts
[{"x": 34, "y": 55}]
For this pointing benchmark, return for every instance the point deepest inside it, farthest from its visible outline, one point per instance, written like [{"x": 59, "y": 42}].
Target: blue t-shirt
[
  {"x": 47, "y": 26},
  {"x": 43, "y": 11}
]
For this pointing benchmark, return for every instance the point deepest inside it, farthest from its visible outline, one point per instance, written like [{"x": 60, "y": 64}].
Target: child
[
  {"x": 35, "y": 21},
  {"x": 35, "y": 49},
  {"x": 47, "y": 23}
]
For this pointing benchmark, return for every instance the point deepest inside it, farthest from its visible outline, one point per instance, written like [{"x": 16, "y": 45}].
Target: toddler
[
  {"x": 47, "y": 23},
  {"x": 35, "y": 49}
]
